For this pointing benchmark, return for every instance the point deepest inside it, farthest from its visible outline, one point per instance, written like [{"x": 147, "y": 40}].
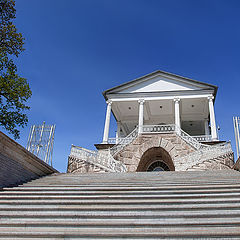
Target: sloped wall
[{"x": 17, "y": 165}]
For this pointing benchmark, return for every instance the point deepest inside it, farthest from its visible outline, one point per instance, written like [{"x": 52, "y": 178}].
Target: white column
[
  {"x": 118, "y": 134},
  {"x": 212, "y": 118},
  {"x": 206, "y": 126},
  {"x": 140, "y": 116},
  {"x": 177, "y": 112},
  {"x": 107, "y": 122}
]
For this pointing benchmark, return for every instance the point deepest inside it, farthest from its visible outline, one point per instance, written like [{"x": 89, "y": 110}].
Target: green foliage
[{"x": 14, "y": 90}]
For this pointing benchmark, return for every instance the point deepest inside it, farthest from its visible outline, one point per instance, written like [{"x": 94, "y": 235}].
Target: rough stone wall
[
  {"x": 81, "y": 166},
  {"x": 237, "y": 165},
  {"x": 176, "y": 147},
  {"x": 173, "y": 144},
  {"x": 221, "y": 163}
]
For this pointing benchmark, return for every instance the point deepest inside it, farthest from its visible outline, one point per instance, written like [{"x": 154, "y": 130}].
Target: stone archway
[{"x": 155, "y": 159}]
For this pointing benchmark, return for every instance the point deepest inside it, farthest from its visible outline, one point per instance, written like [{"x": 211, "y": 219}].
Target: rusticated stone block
[
  {"x": 164, "y": 143},
  {"x": 169, "y": 146}
]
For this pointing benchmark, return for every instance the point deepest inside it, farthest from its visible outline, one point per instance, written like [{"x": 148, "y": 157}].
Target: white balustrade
[
  {"x": 159, "y": 128},
  {"x": 116, "y": 140},
  {"x": 172, "y": 128},
  {"x": 194, "y": 141},
  {"x": 124, "y": 141},
  {"x": 103, "y": 160},
  {"x": 206, "y": 153},
  {"x": 203, "y": 138}
]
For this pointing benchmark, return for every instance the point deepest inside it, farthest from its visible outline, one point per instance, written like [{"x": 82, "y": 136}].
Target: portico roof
[{"x": 159, "y": 82}]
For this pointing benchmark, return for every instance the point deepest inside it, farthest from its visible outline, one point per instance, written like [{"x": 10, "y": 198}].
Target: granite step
[{"x": 169, "y": 205}]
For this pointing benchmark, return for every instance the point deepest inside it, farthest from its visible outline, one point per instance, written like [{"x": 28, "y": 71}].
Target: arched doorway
[
  {"x": 155, "y": 159},
  {"x": 158, "y": 166}
]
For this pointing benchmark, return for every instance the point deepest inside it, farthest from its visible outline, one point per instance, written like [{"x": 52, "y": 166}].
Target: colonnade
[{"x": 176, "y": 113}]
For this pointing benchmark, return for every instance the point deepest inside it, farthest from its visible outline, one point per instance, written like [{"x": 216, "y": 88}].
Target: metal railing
[{"x": 103, "y": 159}]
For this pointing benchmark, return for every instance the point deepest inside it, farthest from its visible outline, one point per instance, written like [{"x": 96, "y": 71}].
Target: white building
[
  {"x": 162, "y": 98},
  {"x": 164, "y": 122}
]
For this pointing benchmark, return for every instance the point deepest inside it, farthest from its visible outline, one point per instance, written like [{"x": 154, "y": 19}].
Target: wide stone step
[
  {"x": 145, "y": 190},
  {"x": 130, "y": 185},
  {"x": 140, "y": 233},
  {"x": 133, "y": 192},
  {"x": 171, "y": 205},
  {"x": 120, "y": 201},
  {"x": 160, "y": 187},
  {"x": 120, "y": 222},
  {"x": 123, "y": 196},
  {"x": 122, "y": 213},
  {"x": 140, "y": 175},
  {"x": 140, "y": 207}
]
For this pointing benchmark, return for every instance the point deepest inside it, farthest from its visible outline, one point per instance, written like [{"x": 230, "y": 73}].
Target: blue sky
[{"x": 75, "y": 49}]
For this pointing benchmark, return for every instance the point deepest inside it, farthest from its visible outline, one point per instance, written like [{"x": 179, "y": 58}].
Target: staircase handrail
[
  {"x": 172, "y": 128},
  {"x": 103, "y": 160},
  {"x": 188, "y": 138},
  {"x": 207, "y": 153},
  {"x": 124, "y": 141}
]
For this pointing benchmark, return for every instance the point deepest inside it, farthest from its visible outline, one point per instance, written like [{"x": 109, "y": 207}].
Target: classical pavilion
[{"x": 164, "y": 122}]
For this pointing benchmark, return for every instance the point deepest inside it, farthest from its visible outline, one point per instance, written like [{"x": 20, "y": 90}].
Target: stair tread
[
  {"x": 173, "y": 205},
  {"x": 125, "y": 232}
]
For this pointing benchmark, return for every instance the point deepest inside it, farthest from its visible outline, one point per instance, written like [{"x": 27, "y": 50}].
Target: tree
[{"x": 14, "y": 90}]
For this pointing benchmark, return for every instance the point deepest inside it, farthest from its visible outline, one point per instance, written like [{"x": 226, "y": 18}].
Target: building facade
[{"x": 164, "y": 122}]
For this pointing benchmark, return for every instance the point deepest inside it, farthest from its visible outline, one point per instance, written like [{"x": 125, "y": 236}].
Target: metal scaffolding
[
  {"x": 40, "y": 141},
  {"x": 236, "y": 124}
]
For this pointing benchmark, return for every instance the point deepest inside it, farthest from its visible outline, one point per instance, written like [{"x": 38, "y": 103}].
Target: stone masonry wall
[
  {"x": 221, "y": 163},
  {"x": 175, "y": 146},
  {"x": 133, "y": 152},
  {"x": 81, "y": 166}
]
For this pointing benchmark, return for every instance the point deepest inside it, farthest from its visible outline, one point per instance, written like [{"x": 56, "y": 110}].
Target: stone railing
[
  {"x": 103, "y": 160},
  {"x": 203, "y": 138},
  {"x": 206, "y": 153},
  {"x": 172, "y": 128},
  {"x": 159, "y": 128},
  {"x": 124, "y": 141},
  {"x": 194, "y": 141},
  {"x": 188, "y": 138},
  {"x": 117, "y": 140}
]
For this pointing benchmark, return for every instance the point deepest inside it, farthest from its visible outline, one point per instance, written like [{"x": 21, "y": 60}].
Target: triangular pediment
[
  {"x": 160, "y": 81},
  {"x": 159, "y": 84}
]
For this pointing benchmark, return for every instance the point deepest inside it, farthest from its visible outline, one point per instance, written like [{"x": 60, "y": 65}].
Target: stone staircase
[{"x": 146, "y": 205}]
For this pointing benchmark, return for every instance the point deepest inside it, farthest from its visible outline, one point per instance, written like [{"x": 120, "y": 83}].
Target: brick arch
[
  {"x": 152, "y": 155},
  {"x": 155, "y": 142}
]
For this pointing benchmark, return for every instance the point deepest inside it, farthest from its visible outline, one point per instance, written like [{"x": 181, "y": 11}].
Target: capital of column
[
  {"x": 210, "y": 98},
  {"x": 141, "y": 101},
  {"x": 176, "y": 100},
  {"x": 109, "y": 102}
]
